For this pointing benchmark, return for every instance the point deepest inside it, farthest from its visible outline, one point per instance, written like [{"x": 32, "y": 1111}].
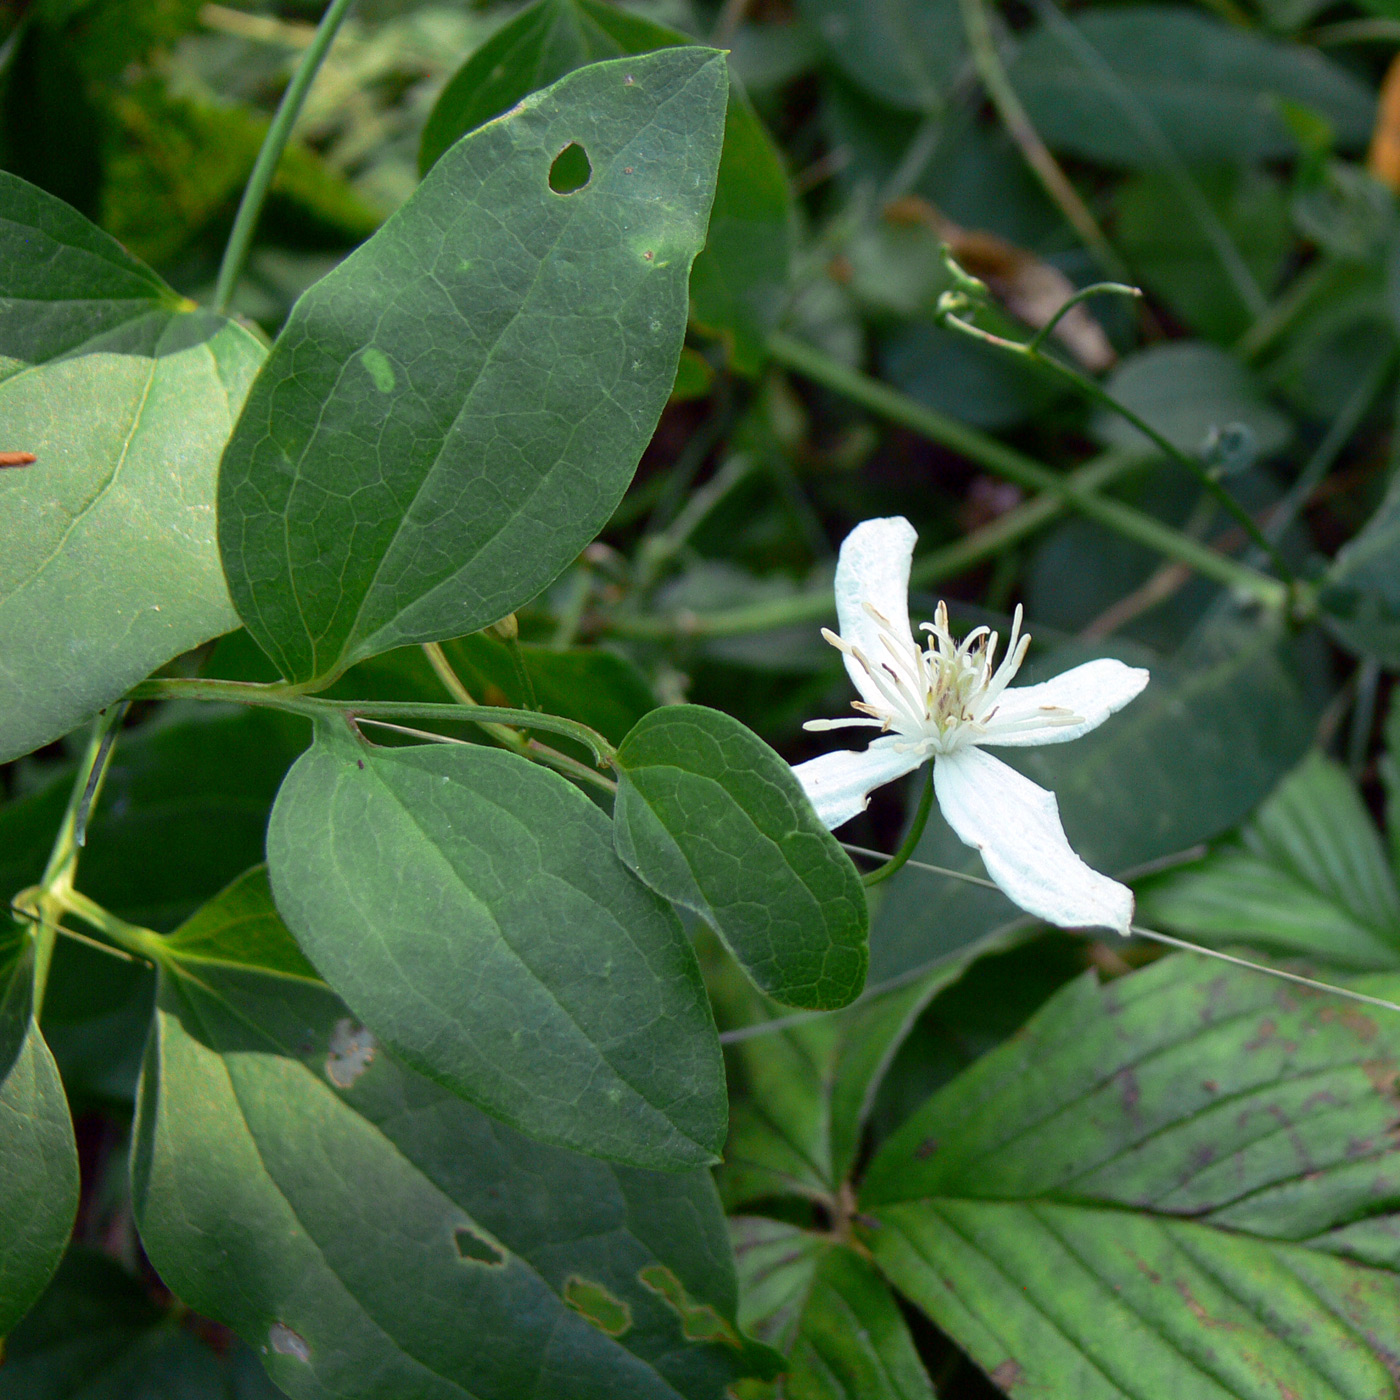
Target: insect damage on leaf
[
  {"x": 699, "y": 1321},
  {"x": 598, "y": 1305},
  {"x": 285, "y": 1342},
  {"x": 477, "y": 1249},
  {"x": 352, "y": 1047}
]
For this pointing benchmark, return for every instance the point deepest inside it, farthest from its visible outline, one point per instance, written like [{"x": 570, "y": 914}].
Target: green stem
[
  {"x": 911, "y": 840},
  {"x": 928, "y": 569},
  {"x": 240, "y": 239},
  {"x": 57, "y": 880},
  {"x": 143, "y": 942},
  {"x": 287, "y": 698},
  {"x": 1093, "y": 391},
  {"x": 1026, "y": 472},
  {"x": 1017, "y": 122},
  {"x": 522, "y": 672},
  {"x": 1095, "y": 289}
]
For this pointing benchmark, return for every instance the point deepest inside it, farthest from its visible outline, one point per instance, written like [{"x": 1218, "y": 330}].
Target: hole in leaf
[
  {"x": 571, "y": 170},
  {"x": 602, "y": 1308},
  {"x": 470, "y": 1245},
  {"x": 699, "y": 1321}
]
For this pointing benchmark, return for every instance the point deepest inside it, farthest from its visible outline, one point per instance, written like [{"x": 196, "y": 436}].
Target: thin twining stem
[
  {"x": 1155, "y": 936},
  {"x": 240, "y": 239},
  {"x": 529, "y": 748}
]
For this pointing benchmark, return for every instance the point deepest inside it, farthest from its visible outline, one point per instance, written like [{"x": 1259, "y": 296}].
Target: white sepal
[
  {"x": 838, "y": 784},
  {"x": 1090, "y": 692},
  {"x": 873, "y": 569},
  {"x": 1016, "y": 827}
]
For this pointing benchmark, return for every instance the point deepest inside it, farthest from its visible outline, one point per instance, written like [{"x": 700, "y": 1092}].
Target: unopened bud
[{"x": 507, "y": 629}]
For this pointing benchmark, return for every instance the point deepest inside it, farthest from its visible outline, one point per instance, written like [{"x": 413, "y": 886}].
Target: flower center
[{"x": 939, "y": 697}]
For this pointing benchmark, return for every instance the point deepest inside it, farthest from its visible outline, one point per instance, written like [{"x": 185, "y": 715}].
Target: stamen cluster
[{"x": 943, "y": 696}]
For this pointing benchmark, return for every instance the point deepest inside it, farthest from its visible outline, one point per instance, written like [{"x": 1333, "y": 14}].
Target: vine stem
[
  {"x": 1006, "y": 462},
  {"x": 48, "y": 897},
  {"x": 1031, "y": 351},
  {"x": 1017, "y": 122},
  {"x": 240, "y": 238},
  {"x": 290, "y": 699}
]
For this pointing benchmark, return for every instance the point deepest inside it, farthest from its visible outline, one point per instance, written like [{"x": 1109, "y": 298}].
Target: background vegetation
[{"x": 994, "y": 1173}]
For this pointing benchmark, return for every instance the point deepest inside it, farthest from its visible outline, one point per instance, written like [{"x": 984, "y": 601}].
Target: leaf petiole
[{"x": 292, "y": 700}]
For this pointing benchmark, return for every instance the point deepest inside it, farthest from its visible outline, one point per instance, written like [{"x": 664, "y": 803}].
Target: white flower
[{"x": 945, "y": 702}]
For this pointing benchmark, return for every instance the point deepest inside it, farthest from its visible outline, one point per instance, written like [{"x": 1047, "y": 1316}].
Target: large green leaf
[
  {"x": 371, "y": 1235},
  {"x": 710, "y": 817},
  {"x": 98, "y": 1334},
  {"x": 1217, "y": 727},
  {"x": 738, "y": 282},
  {"x": 1309, "y": 874},
  {"x": 126, "y": 394},
  {"x": 829, "y": 1310},
  {"x": 1133, "y": 86},
  {"x": 454, "y": 412},
  {"x": 468, "y": 905},
  {"x": 1360, "y": 594},
  {"x": 907, "y": 53},
  {"x": 1182, "y": 1183},
  {"x": 38, "y": 1155}
]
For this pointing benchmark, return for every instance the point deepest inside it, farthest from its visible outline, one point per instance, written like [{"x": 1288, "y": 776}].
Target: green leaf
[
  {"x": 126, "y": 394},
  {"x": 183, "y": 810},
  {"x": 38, "y": 1155},
  {"x": 738, "y": 282},
  {"x": 469, "y": 907},
  {"x": 907, "y": 53},
  {"x": 830, "y": 1311},
  {"x": 1131, "y": 87},
  {"x": 1167, "y": 249},
  {"x": 97, "y": 1332},
  {"x": 1309, "y": 874},
  {"x": 1181, "y": 1183},
  {"x": 374, "y": 1237},
  {"x": 454, "y": 411},
  {"x": 1186, "y": 389},
  {"x": 711, "y": 818},
  {"x": 1360, "y": 593},
  {"x": 1218, "y": 726},
  {"x": 809, "y": 1085}
]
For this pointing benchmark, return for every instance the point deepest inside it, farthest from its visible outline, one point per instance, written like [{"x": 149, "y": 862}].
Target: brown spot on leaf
[
  {"x": 1008, "y": 1374},
  {"x": 1197, "y": 1310},
  {"x": 1382, "y": 1074},
  {"x": 1211, "y": 1086},
  {"x": 926, "y": 1149},
  {"x": 17, "y": 459},
  {"x": 1362, "y": 1026},
  {"x": 1267, "y": 1031},
  {"x": 1127, "y": 1083}
]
